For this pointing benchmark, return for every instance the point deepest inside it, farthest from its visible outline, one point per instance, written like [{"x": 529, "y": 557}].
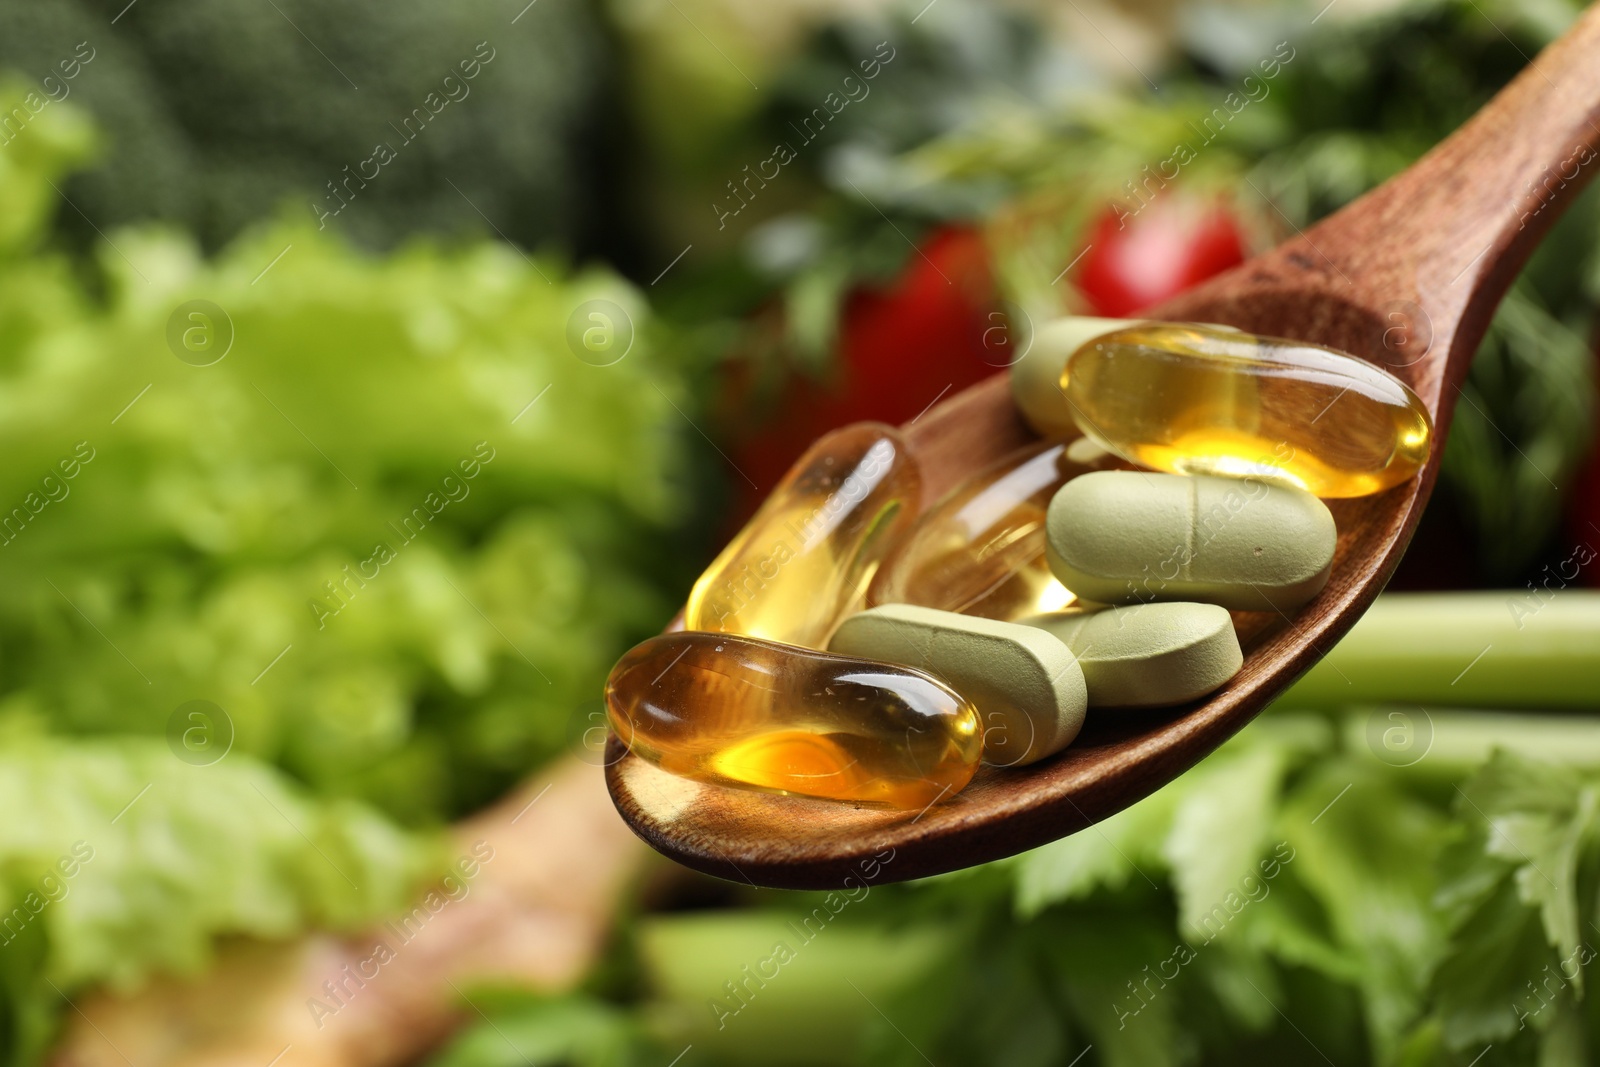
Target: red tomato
[
  {"x": 899, "y": 348},
  {"x": 932, "y": 331},
  {"x": 1134, "y": 263}
]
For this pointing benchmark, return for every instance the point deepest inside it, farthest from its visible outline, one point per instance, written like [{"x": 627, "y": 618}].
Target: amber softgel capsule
[
  {"x": 981, "y": 550},
  {"x": 740, "y": 711},
  {"x": 807, "y": 557},
  {"x": 1201, "y": 400},
  {"x": 1025, "y": 683}
]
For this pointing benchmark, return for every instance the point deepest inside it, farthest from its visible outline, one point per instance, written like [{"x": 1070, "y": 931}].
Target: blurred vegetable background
[{"x": 306, "y": 418}]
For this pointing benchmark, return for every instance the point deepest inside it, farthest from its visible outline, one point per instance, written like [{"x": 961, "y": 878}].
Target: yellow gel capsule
[
  {"x": 981, "y": 550},
  {"x": 1198, "y": 400},
  {"x": 740, "y": 711},
  {"x": 805, "y": 560}
]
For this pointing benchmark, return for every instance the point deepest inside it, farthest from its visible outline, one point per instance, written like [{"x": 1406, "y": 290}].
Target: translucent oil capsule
[
  {"x": 981, "y": 550},
  {"x": 1198, "y": 400},
  {"x": 740, "y": 711},
  {"x": 806, "y": 558}
]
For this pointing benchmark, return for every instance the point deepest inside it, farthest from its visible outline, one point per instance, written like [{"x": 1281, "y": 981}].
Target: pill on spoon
[
  {"x": 1148, "y": 655},
  {"x": 1026, "y": 684},
  {"x": 1036, "y": 377},
  {"x": 1126, "y": 537},
  {"x": 761, "y": 715},
  {"x": 980, "y": 549},
  {"x": 1193, "y": 399},
  {"x": 806, "y": 558}
]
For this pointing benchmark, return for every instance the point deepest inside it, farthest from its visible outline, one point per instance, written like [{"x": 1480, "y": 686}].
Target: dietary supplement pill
[
  {"x": 1124, "y": 537},
  {"x": 741, "y": 711},
  {"x": 1036, "y": 377},
  {"x": 1026, "y": 684},
  {"x": 806, "y": 558},
  {"x": 1148, "y": 655},
  {"x": 980, "y": 550},
  {"x": 1201, "y": 400}
]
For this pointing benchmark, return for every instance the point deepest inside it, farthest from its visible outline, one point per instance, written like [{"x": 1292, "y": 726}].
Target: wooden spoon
[{"x": 1407, "y": 278}]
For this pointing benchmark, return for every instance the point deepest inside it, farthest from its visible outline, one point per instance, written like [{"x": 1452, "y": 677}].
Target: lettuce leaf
[
  {"x": 398, "y": 530},
  {"x": 129, "y": 861},
  {"x": 384, "y": 514}
]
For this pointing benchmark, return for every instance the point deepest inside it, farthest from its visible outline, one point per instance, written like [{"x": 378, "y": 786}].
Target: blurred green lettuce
[
  {"x": 377, "y": 511},
  {"x": 133, "y": 862},
  {"x": 221, "y": 537}
]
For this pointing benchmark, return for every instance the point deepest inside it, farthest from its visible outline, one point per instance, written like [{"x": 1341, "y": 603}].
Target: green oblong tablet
[
  {"x": 1124, "y": 537},
  {"x": 1036, "y": 377},
  {"x": 1148, "y": 655},
  {"x": 1026, "y": 684}
]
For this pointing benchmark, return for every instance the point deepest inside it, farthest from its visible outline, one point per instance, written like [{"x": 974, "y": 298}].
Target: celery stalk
[
  {"x": 752, "y": 987},
  {"x": 1452, "y": 743},
  {"x": 1510, "y": 649}
]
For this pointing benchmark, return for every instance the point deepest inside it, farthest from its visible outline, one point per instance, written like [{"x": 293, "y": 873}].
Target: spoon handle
[
  {"x": 1466, "y": 218},
  {"x": 1450, "y": 234},
  {"x": 1408, "y": 276}
]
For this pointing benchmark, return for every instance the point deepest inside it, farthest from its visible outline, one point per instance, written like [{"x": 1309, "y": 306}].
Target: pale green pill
[
  {"x": 1148, "y": 655},
  {"x": 1026, "y": 685},
  {"x": 1126, "y": 537},
  {"x": 1036, "y": 377}
]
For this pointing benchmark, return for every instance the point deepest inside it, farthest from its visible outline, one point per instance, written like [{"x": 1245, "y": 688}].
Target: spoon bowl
[{"x": 1407, "y": 278}]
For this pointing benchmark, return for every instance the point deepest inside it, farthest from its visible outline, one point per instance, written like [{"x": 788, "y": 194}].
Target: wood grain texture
[{"x": 1407, "y": 278}]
